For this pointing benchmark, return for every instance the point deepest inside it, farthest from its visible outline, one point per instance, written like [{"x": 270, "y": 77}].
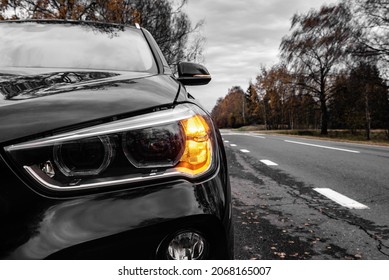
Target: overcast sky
[{"x": 241, "y": 36}]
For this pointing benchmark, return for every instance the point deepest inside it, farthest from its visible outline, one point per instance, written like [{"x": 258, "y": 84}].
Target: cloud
[{"x": 241, "y": 36}]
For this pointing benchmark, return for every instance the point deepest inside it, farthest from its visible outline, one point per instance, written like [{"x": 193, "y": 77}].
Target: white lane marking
[
  {"x": 341, "y": 199},
  {"x": 245, "y": 151},
  {"x": 243, "y": 134},
  {"x": 268, "y": 162},
  {"x": 234, "y": 133},
  {"x": 226, "y": 141},
  {"x": 233, "y": 145},
  {"x": 324, "y": 147}
]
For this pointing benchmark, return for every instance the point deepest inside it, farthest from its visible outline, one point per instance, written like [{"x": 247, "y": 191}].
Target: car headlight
[{"x": 170, "y": 143}]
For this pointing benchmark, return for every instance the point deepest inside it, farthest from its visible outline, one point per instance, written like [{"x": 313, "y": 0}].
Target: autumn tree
[
  {"x": 218, "y": 114},
  {"x": 252, "y": 106},
  {"x": 228, "y": 111},
  {"x": 275, "y": 87},
  {"x": 165, "y": 19},
  {"x": 315, "y": 50}
]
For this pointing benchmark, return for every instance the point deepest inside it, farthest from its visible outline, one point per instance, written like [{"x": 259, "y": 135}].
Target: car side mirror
[{"x": 193, "y": 74}]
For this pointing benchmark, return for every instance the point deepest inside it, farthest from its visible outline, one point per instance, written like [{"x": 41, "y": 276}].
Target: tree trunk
[
  {"x": 265, "y": 114},
  {"x": 368, "y": 117},
  {"x": 324, "y": 115}
]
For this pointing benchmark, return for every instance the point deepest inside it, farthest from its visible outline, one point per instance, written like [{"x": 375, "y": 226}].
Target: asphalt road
[{"x": 297, "y": 198}]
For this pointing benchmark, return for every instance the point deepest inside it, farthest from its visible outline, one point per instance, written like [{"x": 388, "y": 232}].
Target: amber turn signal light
[{"x": 197, "y": 154}]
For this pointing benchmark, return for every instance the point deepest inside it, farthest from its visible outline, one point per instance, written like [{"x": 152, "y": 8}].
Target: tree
[
  {"x": 361, "y": 100},
  {"x": 347, "y": 104},
  {"x": 372, "y": 28},
  {"x": 171, "y": 28},
  {"x": 316, "y": 49},
  {"x": 275, "y": 86},
  {"x": 252, "y": 105},
  {"x": 218, "y": 114},
  {"x": 301, "y": 110},
  {"x": 165, "y": 19},
  {"x": 228, "y": 111}
]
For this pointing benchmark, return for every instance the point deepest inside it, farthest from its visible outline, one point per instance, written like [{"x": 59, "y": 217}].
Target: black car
[{"x": 103, "y": 152}]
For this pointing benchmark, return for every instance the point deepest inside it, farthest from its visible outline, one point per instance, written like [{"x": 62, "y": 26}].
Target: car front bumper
[{"x": 134, "y": 223}]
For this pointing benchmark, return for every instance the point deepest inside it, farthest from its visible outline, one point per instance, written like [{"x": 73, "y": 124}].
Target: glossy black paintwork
[
  {"x": 193, "y": 74},
  {"x": 127, "y": 222},
  {"x": 48, "y": 102},
  {"x": 35, "y": 227}
]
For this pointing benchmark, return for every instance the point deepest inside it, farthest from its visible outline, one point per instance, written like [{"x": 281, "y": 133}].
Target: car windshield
[{"x": 50, "y": 45}]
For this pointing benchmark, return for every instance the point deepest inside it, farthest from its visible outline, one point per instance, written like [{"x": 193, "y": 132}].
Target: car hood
[{"x": 36, "y": 101}]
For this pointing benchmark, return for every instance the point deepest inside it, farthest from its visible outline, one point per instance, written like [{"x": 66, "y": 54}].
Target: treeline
[{"x": 333, "y": 73}]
